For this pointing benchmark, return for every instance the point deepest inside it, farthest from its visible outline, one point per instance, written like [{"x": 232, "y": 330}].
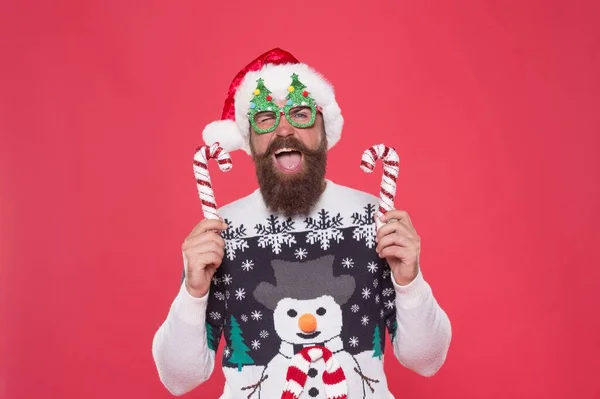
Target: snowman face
[{"x": 308, "y": 321}]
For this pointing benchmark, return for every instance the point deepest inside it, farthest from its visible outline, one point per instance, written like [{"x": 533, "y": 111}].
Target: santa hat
[{"x": 275, "y": 67}]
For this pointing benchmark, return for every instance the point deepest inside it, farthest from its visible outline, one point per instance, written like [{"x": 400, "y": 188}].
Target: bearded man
[{"x": 297, "y": 276}]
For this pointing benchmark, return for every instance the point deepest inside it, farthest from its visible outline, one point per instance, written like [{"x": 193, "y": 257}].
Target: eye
[
  {"x": 321, "y": 311},
  {"x": 301, "y": 113},
  {"x": 264, "y": 117},
  {"x": 292, "y": 313}
]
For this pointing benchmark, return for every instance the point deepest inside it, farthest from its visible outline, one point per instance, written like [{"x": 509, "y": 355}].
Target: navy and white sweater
[{"x": 290, "y": 282}]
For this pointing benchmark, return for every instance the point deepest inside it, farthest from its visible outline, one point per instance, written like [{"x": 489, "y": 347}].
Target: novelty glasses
[{"x": 264, "y": 114}]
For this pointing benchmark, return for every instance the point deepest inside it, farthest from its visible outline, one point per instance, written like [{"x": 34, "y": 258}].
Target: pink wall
[{"x": 492, "y": 106}]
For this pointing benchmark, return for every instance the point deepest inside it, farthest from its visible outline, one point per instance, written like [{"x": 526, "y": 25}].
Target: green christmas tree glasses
[{"x": 300, "y": 109}]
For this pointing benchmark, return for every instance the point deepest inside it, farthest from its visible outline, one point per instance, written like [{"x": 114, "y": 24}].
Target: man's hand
[
  {"x": 400, "y": 245},
  {"x": 203, "y": 251}
]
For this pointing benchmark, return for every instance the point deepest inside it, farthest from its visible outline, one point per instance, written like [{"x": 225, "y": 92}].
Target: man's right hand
[{"x": 203, "y": 252}]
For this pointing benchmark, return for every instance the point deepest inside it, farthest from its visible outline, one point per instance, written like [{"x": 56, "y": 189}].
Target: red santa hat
[{"x": 275, "y": 67}]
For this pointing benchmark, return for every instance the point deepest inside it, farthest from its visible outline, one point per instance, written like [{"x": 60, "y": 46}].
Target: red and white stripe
[
  {"x": 391, "y": 162},
  {"x": 334, "y": 379},
  {"x": 205, "y": 191}
]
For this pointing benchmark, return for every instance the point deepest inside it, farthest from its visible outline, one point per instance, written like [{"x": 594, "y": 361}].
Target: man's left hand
[{"x": 400, "y": 245}]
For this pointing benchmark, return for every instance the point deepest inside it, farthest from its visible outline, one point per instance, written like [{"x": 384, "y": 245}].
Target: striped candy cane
[
  {"x": 297, "y": 374},
  {"x": 390, "y": 160},
  {"x": 205, "y": 191}
]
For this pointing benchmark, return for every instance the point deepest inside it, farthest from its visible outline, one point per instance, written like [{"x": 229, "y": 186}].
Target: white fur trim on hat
[{"x": 227, "y": 134}]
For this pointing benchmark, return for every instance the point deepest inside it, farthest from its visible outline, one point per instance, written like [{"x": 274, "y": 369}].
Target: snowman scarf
[{"x": 333, "y": 376}]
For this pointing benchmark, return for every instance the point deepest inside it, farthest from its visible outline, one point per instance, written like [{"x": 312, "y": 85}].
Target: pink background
[{"x": 492, "y": 106}]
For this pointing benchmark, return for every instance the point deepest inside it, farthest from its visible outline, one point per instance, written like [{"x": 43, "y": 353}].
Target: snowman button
[
  {"x": 312, "y": 373},
  {"x": 313, "y": 392}
]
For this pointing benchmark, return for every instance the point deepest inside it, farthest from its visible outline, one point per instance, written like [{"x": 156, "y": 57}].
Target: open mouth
[
  {"x": 309, "y": 336},
  {"x": 288, "y": 160}
]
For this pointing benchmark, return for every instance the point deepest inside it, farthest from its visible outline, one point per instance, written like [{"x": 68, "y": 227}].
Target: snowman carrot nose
[{"x": 307, "y": 323}]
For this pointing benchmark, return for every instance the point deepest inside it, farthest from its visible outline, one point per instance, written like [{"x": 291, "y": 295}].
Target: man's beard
[{"x": 293, "y": 194}]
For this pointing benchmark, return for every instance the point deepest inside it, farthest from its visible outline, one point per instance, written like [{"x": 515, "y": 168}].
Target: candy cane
[
  {"x": 390, "y": 160},
  {"x": 334, "y": 379},
  {"x": 205, "y": 191}
]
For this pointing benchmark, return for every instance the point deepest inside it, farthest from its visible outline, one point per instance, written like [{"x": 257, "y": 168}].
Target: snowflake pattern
[
  {"x": 355, "y": 308},
  {"x": 255, "y": 344},
  {"x": 364, "y": 320},
  {"x": 234, "y": 240},
  {"x": 389, "y": 305},
  {"x": 275, "y": 233},
  {"x": 375, "y": 283},
  {"x": 240, "y": 294},
  {"x": 366, "y": 293},
  {"x": 215, "y": 315},
  {"x": 219, "y": 295},
  {"x": 388, "y": 291},
  {"x": 256, "y": 315},
  {"x": 381, "y": 313},
  {"x": 215, "y": 280},
  {"x": 386, "y": 272},
  {"x": 377, "y": 298},
  {"x": 348, "y": 263},
  {"x": 264, "y": 334},
  {"x": 244, "y": 318},
  {"x": 366, "y": 229},
  {"x": 227, "y": 279},
  {"x": 248, "y": 265},
  {"x": 324, "y": 229},
  {"x": 301, "y": 253},
  {"x": 372, "y": 266},
  {"x": 353, "y": 342},
  {"x": 227, "y": 352}
]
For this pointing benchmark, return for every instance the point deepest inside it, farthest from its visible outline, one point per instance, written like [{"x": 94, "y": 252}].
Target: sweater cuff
[
  {"x": 413, "y": 294},
  {"x": 188, "y": 308}
]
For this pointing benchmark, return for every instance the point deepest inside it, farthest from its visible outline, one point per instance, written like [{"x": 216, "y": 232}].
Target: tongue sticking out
[{"x": 289, "y": 160}]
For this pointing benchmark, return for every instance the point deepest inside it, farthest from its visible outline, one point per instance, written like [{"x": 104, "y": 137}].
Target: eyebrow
[{"x": 299, "y": 107}]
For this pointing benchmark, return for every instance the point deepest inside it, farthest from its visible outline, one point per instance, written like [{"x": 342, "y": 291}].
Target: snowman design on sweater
[{"x": 288, "y": 283}]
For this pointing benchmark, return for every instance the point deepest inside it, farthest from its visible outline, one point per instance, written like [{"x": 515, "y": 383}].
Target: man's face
[{"x": 290, "y": 163}]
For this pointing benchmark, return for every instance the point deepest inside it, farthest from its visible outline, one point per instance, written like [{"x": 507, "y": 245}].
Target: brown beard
[{"x": 293, "y": 194}]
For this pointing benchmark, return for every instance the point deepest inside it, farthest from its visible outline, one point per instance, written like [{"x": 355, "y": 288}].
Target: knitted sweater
[{"x": 287, "y": 283}]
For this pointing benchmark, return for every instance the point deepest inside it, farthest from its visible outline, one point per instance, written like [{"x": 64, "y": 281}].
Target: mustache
[{"x": 287, "y": 142}]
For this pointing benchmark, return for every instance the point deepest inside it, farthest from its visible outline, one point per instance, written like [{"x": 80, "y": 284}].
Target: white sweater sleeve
[
  {"x": 423, "y": 332},
  {"x": 180, "y": 349}
]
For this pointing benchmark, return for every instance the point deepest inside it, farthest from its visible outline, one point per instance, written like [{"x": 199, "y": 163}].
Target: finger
[
  {"x": 205, "y": 248},
  {"x": 208, "y": 225},
  {"x": 213, "y": 259},
  {"x": 393, "y": 227},
  {"x": 395, "y": 240},
  {"x": 400, "y": 215},
  {"x": 405, "y": 254},
  {"x": 201, "y": 238},
  {"x": 209, "y": 260}
]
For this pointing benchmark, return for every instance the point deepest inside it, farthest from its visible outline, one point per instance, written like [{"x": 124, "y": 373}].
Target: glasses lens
[
  {"x": 301, "y": 116},
  {"x": 265, "y": 120}
]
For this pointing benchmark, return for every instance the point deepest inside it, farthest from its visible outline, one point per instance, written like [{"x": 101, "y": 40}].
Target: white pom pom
[{"x": 227, "y": 134}]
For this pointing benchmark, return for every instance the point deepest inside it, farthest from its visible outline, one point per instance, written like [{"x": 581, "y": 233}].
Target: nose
[
  {"x": 284, "y": 129},
  {"x": 307, "y": 323}
]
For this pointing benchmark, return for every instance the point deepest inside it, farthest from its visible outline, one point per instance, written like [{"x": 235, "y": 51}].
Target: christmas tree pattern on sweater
[{"x": 289, "y": 283}]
